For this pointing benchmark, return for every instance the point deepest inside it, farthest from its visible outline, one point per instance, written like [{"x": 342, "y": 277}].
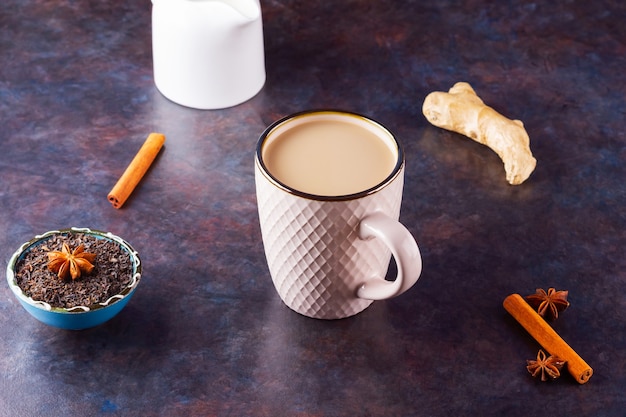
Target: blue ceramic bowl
[{"x": 79, "y": 317}]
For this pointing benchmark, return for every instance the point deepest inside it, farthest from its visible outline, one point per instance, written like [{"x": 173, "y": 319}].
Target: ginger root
[{"x": 462, "y": 111}]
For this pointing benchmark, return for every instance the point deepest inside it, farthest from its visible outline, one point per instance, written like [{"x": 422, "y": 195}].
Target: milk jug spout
[
  {"x": 249, "y": 10},
  {"x": 208, "y": 54}
]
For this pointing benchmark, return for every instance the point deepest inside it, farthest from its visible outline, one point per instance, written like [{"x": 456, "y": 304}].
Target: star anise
[
  {"x": 548, "y": 367},
  {"x": 67, "y": 263},
  {"x": 549, "y": 304}
]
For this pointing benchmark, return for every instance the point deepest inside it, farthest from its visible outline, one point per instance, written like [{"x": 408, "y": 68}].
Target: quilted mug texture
[{"x": 316, "y": 259}]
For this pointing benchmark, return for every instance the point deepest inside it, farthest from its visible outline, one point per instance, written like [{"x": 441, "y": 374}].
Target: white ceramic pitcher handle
[{"x": 403, "y": 248}]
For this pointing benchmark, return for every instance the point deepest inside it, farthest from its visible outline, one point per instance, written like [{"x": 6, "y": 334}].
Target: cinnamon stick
[
  {"x": 136, "y": 170},
  {"x": 547, "y": 337}
]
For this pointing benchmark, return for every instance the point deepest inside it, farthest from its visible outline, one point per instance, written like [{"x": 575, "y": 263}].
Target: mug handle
[{"x": 403, "y": 248}]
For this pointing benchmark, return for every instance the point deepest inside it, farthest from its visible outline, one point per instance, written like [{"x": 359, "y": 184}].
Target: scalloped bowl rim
[{"x": 41, "y": 305}]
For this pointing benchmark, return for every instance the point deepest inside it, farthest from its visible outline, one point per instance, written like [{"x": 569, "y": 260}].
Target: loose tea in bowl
[{"x": 74, "y": 278}]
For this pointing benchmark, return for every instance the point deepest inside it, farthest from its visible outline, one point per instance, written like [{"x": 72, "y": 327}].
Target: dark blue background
[{"x": 206, "y": 333}]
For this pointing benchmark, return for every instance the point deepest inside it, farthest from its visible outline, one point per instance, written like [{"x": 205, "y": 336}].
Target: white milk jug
[{"x": 208, "y": 54}]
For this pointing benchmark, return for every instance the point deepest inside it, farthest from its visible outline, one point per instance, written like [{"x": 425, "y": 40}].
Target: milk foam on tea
[{"x": 330, "y": 154}]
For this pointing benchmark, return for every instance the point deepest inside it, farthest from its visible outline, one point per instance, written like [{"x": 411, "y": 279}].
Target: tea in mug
[{"x": 330, "y": 154}]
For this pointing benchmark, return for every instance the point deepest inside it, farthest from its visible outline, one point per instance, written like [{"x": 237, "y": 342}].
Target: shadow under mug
[{"x": 328, "y": 255}]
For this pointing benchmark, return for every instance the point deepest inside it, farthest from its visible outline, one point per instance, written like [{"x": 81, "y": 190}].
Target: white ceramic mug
[
  {"x": 208, "y": 54},
  {"x": 328, "y": 244}
]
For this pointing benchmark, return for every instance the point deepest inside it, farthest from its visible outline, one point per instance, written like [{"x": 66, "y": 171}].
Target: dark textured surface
[{"x": 206, "y": 334}]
